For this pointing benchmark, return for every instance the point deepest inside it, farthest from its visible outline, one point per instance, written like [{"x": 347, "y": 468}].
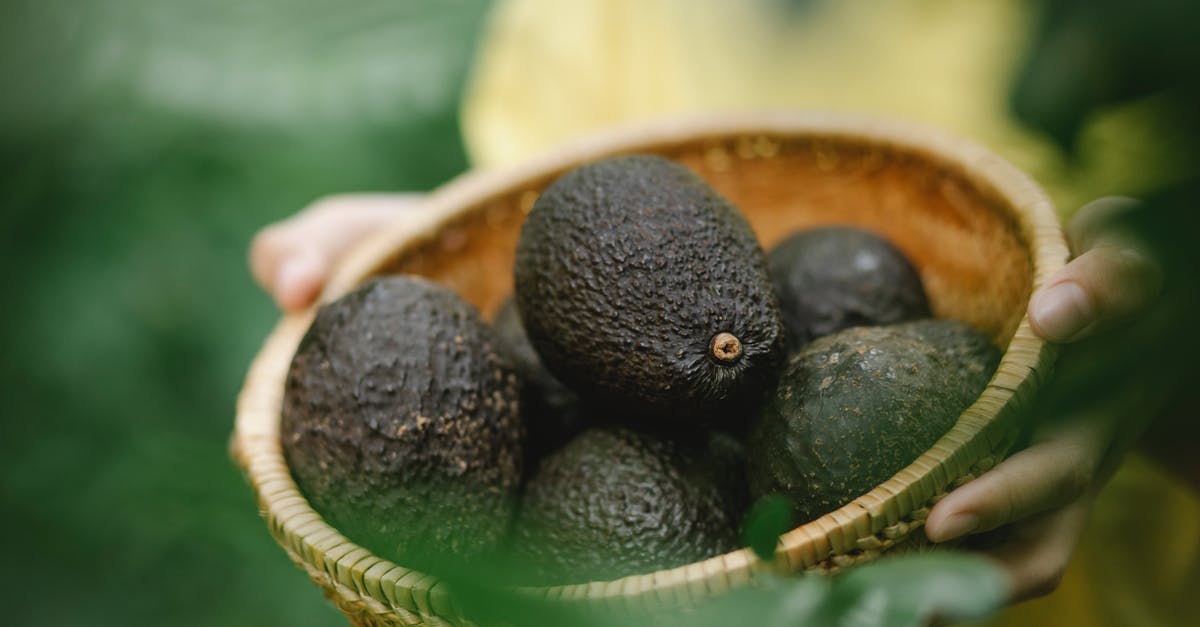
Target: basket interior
[{"x": 965, "y": 242}]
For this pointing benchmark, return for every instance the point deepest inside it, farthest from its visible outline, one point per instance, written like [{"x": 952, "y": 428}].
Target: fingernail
[
  {"x": 1060, "y": 311},
  {"x": 955, "y": 526}
]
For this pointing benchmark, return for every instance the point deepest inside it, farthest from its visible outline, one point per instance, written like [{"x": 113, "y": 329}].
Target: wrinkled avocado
[
  {"x": 401, "y": 424},
  {"x": 647, "y": 293},
  {"x": 552, "y": 413},
  {"x": 837, "y": 277},
  {"x": 617, "y": 502},
  {"x": 853, "y": 408}
]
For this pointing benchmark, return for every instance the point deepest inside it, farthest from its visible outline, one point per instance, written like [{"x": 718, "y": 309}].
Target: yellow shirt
[{"x": 549, "y": 70}]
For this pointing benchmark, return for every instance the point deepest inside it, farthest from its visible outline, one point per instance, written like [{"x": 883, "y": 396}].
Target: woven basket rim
[{"x": 894, "y": 508}]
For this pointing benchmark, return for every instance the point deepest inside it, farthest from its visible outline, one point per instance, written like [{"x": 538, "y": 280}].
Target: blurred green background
[{"x": 142, "y": 142}]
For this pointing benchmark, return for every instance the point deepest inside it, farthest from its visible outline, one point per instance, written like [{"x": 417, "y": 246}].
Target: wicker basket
[{"x": 981, "y": 233}]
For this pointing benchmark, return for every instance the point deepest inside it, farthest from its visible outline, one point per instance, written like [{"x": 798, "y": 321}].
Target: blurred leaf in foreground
[
  {"x": 914, "y": 590},
  {"x": 896, "y": 592},
  {"x": 770, "y": 518}
]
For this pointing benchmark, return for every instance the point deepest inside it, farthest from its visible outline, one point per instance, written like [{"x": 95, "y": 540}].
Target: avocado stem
[{"x": 725, "y": 347}]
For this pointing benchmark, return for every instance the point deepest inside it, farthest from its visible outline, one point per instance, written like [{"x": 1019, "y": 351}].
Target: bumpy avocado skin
[
  {"x": 552, "y": 413},
  {"x": 626, "y": 270},
  {"x": 617, "y": 502},
  {"x": 853, "y": 408},
  {"x": 401, "y": 424},
  {"x": 837, "y": 277}
]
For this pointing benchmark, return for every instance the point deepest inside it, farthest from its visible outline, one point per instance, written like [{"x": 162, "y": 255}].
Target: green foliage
[
  {"x": 1089, "y": 55},
  {"x": 770, "y": 517},
  {"x": 142, "y": 143},
  {"x": 896, "y": 592},
  {"x": 912, "y": 590}
]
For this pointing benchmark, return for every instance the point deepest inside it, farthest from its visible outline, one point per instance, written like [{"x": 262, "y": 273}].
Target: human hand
[
  {"x": 292, "y": 259},
  {"x": 1036, "y": 502}
]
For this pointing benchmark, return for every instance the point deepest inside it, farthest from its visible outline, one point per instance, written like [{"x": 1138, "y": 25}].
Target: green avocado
[
  {"x": 617, "y": 502},
  {"x": 837, "y": 277},
  {"x": 401, "y": 424},
  {"x": 552, "y": 413},
  {"x": 854, "y": 408},
  {"x": 646, "y": 292}
]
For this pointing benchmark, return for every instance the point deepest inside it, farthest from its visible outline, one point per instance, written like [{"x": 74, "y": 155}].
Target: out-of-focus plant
[
  {"x": 895, "y": 592},
  {"x": 1086, "y": 56},
  {"x": 1085, "y": 59}
]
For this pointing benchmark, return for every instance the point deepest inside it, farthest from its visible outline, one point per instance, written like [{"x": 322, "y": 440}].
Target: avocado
[
  {"x": 552, "y": 413},
  {"x": 401, "y": 424},
  {"x": 646, "y": 292},
  {"x": 837, "y": 277},
  {"x": 854, "y": 408},
  {"x": 616, "y": 502}
]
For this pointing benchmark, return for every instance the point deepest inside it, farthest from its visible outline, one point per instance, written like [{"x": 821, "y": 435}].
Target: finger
[
  {"x": 1111, "y": 278},
  {"x": 266, "y": 250},
  {"x": 299, "y": 280},
  {"x": 292, "y": 259},
  {"x": 1097, "y": 221},
  {"x": 1051, "y": 473},
  {"x": 1103, "y": 286},
  {"x": 334, "y": 225},
  {"x": 288, "y": 264},
  {"x": 1036, "y": 553}
]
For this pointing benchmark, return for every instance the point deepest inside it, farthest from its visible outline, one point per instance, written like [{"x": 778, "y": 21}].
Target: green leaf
[
  {"x": 895, "y": 592},
  {"x": 771, "y": 602},
  {"x": 912, "y": 590},
  {"x": 770, "y": 518},
  {"x": 489, "y": 605}
]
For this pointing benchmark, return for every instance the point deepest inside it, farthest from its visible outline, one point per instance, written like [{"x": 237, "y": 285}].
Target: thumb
[{"x": 1114, "y": 278}]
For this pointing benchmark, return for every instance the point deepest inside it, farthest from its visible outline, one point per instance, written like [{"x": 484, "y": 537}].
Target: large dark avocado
[
  {"x": 401, "y": 424},
  {"x": 552, "y": 413},
  {"x": 853, "y": 408},
  {"x": 647, "y": 293},
  {"x": 837, "y": 277},
  {"x": 617, "y": 502}
]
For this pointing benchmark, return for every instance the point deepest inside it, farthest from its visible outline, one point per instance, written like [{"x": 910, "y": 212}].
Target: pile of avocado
[{"x": 654, "y": 373}]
